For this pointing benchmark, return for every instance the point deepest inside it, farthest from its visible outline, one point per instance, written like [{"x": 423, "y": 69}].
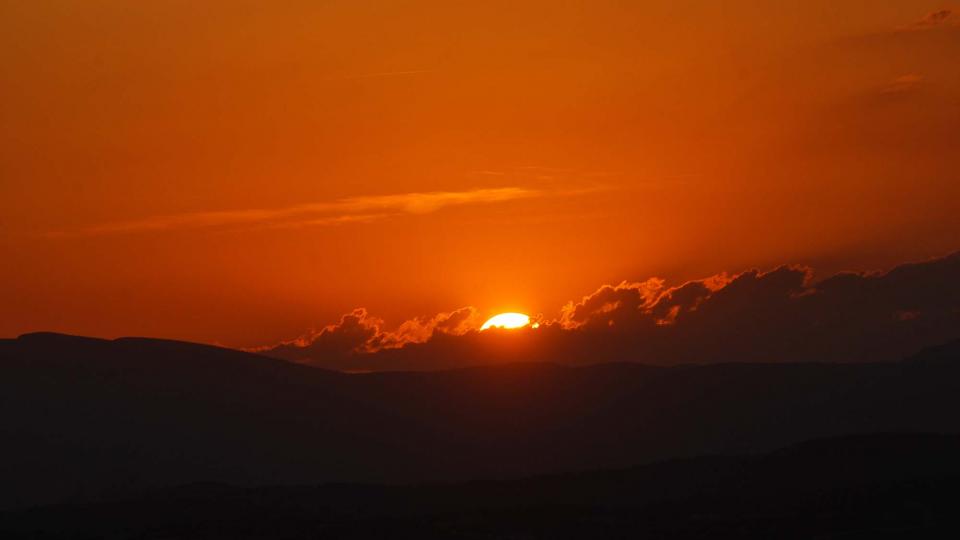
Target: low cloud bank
[
  {"x": 775, "y": 316},
  {"x": 359, "y": 333}
]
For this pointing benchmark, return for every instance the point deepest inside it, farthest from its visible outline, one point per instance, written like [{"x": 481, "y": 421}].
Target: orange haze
[{"x": 237, "y": 172}]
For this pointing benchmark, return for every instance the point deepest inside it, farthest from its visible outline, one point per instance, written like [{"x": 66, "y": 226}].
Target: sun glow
[{"x": 506, "y": 320}]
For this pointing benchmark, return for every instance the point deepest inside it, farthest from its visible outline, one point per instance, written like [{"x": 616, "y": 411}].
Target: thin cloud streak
[
  {"x": 382, "y": 74},
  {"x": 936, "y": 19},
  {"x": 328, "y": 221},
  {"x": 347, "y": 210}
]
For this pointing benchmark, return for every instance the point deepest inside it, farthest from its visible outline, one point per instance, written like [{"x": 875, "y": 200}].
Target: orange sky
[{"x": 237, "y": 172}]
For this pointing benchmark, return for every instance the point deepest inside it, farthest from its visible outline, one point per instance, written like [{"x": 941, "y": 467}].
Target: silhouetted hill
[
  {"x": 893, "y": 485},
  {"x": 85, "y": 419}
]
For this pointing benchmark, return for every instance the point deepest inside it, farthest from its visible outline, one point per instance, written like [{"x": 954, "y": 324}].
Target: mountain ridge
[
  {"x": 854, "y": 486},
  {"x": 87, "y": 418}
]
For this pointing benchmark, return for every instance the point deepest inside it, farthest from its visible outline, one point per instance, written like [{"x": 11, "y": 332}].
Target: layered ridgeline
[
  {"x": 867, "y": 486},
  {"x": 86, "y": 419}
]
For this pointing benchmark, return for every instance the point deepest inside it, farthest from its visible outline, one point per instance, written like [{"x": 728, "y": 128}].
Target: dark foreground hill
[
  {"x": 85, "y": 420},
  {"x": 880, "y": 486}
]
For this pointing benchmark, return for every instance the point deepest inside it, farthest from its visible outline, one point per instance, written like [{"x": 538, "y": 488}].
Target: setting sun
[
  {"x": 507, "y": 320},
  {"x": 255, "y": 245}
]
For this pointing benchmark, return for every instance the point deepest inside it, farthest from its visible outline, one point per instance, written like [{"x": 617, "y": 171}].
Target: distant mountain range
[
  {"x": 91, "y": 420},
  {"x": 869, "y": 486}
]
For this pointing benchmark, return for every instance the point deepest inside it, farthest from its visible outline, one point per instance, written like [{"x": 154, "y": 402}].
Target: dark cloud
[
  {"x": 935, "y": 18},
  {"x": 775, "y": 316},
  {"x": 357, "y": 333},
  {"x": 620, "y": 304},
  {"x": 945, "y": 17}
]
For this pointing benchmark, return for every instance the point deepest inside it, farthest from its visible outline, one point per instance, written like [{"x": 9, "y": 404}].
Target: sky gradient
[{"x": 240, "y": 172}]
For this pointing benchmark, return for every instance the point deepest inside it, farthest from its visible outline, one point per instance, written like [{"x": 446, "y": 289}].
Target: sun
[{"x": 507, "y": 320}]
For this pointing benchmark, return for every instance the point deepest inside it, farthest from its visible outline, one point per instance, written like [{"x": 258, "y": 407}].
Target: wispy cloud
[
  {"x": 902, "y": 84},
  {"x": 340, "y": 211},
  {"x": 935, "y": 19},
  {"x": 381, "y": 74}
]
